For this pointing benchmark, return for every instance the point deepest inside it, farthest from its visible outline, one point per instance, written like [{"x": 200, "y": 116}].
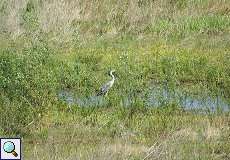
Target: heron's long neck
[{"x": 113, "y": 78}]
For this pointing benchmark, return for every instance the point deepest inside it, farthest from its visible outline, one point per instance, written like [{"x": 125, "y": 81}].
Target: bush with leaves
[{"x": 28, "y": 84}]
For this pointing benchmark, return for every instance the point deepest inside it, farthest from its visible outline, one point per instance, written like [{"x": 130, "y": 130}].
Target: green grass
[
  {"x": 184, "y": 44},
  {"x": 112, "y": 129},
  {"x": 121, "y": 133}
]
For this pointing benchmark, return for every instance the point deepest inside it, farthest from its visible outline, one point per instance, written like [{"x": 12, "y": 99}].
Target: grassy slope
[{"x": 184, "y": 42}]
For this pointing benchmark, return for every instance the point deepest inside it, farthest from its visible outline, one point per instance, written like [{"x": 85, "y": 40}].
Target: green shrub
[{"x": 27, "y": 84}]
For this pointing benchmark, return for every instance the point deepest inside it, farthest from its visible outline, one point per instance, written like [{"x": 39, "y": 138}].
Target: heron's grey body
[{"x": 105, "y": 88}]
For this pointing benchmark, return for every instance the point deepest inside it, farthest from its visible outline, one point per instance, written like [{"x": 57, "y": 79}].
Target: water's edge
[{"x": 156, "y": 97}]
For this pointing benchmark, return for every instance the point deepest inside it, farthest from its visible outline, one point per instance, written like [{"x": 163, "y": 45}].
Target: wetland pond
[{"x": 156, "y": 97}]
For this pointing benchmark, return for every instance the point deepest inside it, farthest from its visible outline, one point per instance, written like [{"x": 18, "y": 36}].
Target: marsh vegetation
[{"x": 171, "y": 96}]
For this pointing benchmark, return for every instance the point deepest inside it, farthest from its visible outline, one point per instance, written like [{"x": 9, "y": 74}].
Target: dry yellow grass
[{"x": 64, "y": 17}]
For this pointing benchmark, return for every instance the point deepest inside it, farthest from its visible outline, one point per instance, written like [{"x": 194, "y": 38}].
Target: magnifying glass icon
[{"x": 9, "y": 147}]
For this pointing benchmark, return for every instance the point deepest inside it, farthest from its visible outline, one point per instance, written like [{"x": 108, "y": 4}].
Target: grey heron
[{"x": 105, "y": 88}]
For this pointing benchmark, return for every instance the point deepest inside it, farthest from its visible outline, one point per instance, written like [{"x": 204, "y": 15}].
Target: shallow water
[
  {"x": 160, "y": 97},
  {"x": 71, "y": 99},
  {"x": 156, "y": 97}
]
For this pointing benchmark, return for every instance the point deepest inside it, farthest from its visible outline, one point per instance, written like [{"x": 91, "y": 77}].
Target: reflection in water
[
  {"x": 71, "y": 99},
  {"x": 160, "y": 97},
  {"x": 155, "y": 98}
]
